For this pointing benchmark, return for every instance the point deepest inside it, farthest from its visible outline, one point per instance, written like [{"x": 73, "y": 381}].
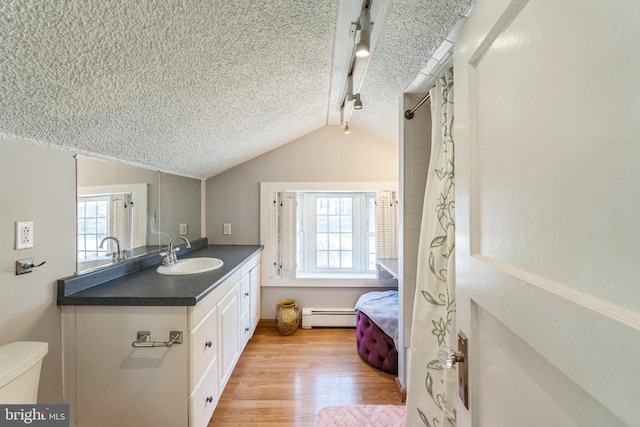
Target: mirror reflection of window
[{"x": 93, "y": 215}]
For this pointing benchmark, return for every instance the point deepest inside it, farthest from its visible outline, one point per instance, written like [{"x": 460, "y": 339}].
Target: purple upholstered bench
[{"x": 374, "y": 346}]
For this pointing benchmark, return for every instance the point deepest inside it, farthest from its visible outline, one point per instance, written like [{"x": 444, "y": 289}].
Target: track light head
[
  {"x": 358, "y": 102},
  {"x": 362, "y": 49}
]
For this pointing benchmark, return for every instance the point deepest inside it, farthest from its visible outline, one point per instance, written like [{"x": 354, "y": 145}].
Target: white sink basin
[{"x": 191, "y": 266}]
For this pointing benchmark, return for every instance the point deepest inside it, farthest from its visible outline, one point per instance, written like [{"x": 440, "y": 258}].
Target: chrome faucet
[
  {"x": 119, "y": 255},
  {"x": 170, "y": 257}
]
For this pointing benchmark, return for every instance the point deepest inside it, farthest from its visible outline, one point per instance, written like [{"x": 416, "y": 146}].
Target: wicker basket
[{"x": 287, "y": 316}]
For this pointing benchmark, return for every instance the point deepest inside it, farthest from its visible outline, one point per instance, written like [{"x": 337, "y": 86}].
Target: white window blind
[
  {"x": 387, "y": 224},
  {"x": 285, "y": 205},
  {"x": 120, "y": 219}
]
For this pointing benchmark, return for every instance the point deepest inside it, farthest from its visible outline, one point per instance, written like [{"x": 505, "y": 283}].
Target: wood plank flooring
[{"x": 284, "y": 380}]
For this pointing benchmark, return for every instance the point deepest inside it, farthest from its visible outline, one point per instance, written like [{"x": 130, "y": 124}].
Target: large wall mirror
[{"x": 126, "y": 211}]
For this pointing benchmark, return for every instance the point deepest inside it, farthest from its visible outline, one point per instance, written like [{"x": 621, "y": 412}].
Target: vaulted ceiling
[{"x": 196, "y": 87}]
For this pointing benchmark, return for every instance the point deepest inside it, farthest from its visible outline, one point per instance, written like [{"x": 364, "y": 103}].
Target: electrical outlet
[
  {"x": 227, "y": 228},
  {"x": 183, "y": 229},
  {"x": 24, "y": 234}
]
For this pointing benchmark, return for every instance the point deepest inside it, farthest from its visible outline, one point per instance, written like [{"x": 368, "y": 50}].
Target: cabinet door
[
  {"x": 118, "y": 385},
  {"x": 254, "y": 291},
  {"x": 245, "y": 311},
  {"x": 245, "y": 293},
  {"x": 229, "y": 338}
]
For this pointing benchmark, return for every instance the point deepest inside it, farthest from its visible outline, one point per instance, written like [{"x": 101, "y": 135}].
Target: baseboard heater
[{"x": 328, "y": 317}]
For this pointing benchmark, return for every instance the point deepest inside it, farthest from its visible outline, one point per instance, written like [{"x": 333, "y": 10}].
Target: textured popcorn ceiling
[{"x": 196, "y": 87}]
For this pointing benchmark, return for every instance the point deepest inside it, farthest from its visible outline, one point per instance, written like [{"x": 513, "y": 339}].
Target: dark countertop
[{"x": 147, "y": 287}]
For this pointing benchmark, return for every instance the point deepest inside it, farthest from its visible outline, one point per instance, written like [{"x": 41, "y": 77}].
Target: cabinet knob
[
  {"x": 208, "y": 344},
  {"x": 246, "y": 329},
  {"x": 209, "y": 399},
  {"x": 246, "y": 294}
]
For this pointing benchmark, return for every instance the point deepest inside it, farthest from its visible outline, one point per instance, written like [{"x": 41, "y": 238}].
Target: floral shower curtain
[{"x": 431, "y": 389}]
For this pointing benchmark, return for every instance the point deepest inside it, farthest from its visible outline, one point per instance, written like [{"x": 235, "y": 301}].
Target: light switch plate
[
  {"x": 183, "y": 229},
  {"x": 24, "y": 234},
  {"x": 227, "y": 228}
]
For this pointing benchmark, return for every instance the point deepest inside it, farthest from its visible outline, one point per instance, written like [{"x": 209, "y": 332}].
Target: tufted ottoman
[{"x": 374, "y": 346}]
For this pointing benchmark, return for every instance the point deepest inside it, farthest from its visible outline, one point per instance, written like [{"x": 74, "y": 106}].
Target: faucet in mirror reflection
[
  {"x": 170, "y": 257},
  {"x": 118, "y": 255}
]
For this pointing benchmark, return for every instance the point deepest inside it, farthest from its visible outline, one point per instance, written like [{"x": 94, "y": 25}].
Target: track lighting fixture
[
  {"x": 362, "y": 49},
  {"x": 359, "y": 50},
  {"x": 349, "y": 95},
  {"x": 357, "y": 105}
]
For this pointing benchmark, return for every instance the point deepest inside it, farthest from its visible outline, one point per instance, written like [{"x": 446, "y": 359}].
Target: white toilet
[{"x": 20, "y": 364}]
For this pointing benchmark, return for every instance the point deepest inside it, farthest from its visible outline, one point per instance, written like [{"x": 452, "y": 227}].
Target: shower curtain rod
[{"x": 409, "y": 113}]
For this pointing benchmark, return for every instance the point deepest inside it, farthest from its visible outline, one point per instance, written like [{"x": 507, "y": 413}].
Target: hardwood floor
[{"x": 284, "y": 380}]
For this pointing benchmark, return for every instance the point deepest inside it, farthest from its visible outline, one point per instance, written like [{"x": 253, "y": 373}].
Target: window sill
[
  {"x": 331, "y": 282},
  {"x": 335, "y": 276}
]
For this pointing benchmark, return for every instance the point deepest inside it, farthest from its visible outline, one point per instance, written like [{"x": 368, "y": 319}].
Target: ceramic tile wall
[{"x": 415, "y": 148}]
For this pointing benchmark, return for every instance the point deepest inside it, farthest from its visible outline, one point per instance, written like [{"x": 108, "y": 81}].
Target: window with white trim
[{"x": 334, "y": 235}]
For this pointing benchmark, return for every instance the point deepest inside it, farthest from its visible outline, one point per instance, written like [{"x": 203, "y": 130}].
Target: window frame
[
  {"x": 139, "y": 196},
  {"x": 268, "y": 233},
  {"x": 358, "y": 232},
  {"x": 98, "y": 252}
]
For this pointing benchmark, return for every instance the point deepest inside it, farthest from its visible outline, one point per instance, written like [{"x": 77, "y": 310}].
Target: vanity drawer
[
  {"x": 245, "y": 328},
  {"x": 202, "y": 346},
  {"x": 203, "y": 401}
]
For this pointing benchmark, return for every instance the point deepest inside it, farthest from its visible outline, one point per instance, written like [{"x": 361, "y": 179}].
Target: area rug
[{"x": 361, "y": 416}]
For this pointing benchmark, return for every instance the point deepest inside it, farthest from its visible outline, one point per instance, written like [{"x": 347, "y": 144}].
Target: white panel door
[{"x": 547, "y": 131}]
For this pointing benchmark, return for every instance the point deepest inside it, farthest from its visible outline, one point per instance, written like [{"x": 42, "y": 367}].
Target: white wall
[
  {"x": 37, "y": 184},
  {"x": 325, "y": 155},
  {"x": 179, "y": 204}
]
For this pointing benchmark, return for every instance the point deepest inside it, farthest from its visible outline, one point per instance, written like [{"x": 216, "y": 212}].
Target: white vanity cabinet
[{"x": 108, "y": 382}]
